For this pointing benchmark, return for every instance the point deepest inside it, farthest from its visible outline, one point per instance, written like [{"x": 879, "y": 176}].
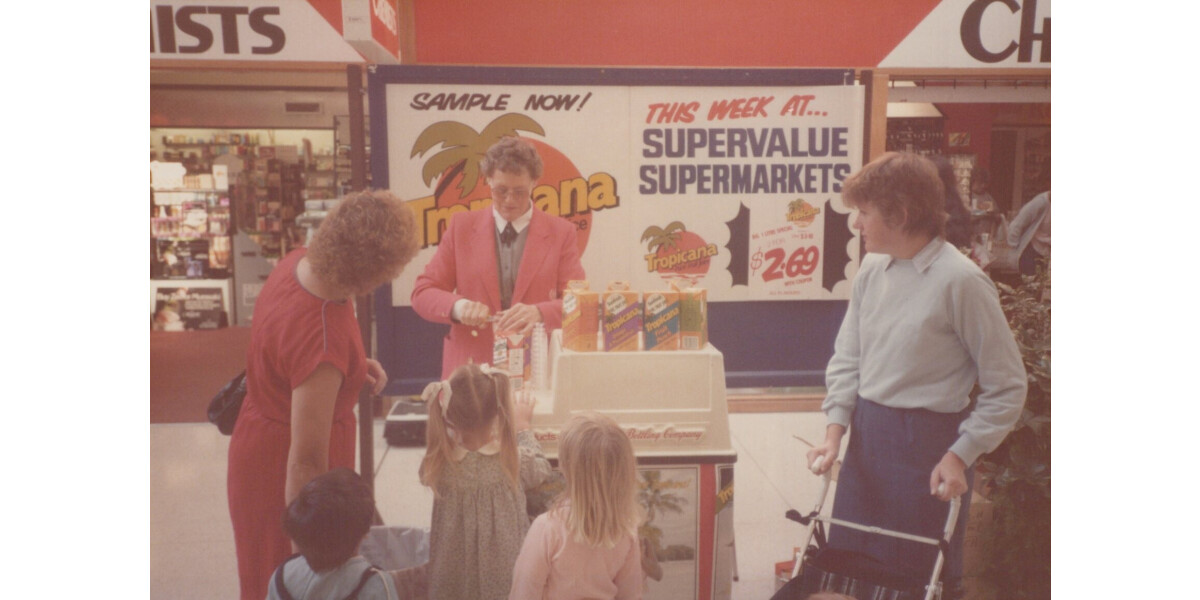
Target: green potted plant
[{"x": 1016, "y": 476}]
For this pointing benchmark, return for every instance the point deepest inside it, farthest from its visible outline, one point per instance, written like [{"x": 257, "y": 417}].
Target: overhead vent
[{"x": 307, "y": 108}]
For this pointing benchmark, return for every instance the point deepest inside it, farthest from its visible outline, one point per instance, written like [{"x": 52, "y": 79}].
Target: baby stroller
[{"x": 824, "y": 569}]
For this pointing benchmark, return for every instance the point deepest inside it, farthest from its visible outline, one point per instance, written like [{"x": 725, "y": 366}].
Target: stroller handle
[
  {"x": 817, "y": 463},
  {"x": 947, "y": 531}
]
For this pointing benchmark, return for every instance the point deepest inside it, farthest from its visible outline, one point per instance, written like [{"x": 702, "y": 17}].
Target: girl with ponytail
[{"x": 480, "y": 457}]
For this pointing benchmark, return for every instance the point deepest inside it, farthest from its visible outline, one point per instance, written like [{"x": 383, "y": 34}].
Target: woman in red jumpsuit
[{"x": 304, "y": 369}]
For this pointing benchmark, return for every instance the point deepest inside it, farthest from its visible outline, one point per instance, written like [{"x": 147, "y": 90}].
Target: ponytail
[
  {"x": 438, "y": 445},
  {"x": 474, "y": 397},
  {"x": 508, "y": 436}
]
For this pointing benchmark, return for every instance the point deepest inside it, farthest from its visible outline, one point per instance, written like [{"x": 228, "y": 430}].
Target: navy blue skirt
[{"x": 884, "y": 481}]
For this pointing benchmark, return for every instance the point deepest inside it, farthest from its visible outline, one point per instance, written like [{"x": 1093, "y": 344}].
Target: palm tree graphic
[
  {"x": 657, "y": 500},
  {"x": 463, "y": 147},
  {"x": 659, "y": 236},
  {"x": 795, "y": 206}
]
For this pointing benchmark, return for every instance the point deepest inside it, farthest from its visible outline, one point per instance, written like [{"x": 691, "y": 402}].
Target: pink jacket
[
  {"x": 465, "y": 266},
  {"x": 552, "y": 566}
]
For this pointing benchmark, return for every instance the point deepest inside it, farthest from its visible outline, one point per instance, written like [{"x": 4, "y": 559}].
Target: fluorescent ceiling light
[{"x": 912, "y": 110}]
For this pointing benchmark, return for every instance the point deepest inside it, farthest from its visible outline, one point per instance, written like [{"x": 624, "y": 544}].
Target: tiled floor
[{"x": 191, "y": 540}]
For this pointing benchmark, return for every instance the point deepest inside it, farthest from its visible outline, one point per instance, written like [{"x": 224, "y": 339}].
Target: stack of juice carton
[{"x": 619, "y": 319}]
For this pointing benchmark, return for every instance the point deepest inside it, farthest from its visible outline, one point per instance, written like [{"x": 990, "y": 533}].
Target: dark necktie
[{"x": 508, "y": 235}]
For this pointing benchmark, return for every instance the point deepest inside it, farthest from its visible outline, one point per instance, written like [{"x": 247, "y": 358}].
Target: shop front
[{"x": 251, "y": 131}]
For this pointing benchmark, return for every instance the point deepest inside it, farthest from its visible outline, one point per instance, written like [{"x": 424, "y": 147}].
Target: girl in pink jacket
[{"x": 586, "y": 545}]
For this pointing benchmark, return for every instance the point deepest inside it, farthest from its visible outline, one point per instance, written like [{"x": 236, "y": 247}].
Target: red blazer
[{"x": 465, "y": 266}]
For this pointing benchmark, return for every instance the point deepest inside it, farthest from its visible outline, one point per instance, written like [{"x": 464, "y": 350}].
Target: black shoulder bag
[{"x": 224, "y": 408}]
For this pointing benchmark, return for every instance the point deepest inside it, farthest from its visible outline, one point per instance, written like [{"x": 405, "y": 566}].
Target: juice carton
[
  {"x": 581, "y": 317},
  {"x": 510, "y": 354},
  {"x": 621, "y": 318},
  {"x": 693, "y": 318},
  {"x": 662, "y": 320}
]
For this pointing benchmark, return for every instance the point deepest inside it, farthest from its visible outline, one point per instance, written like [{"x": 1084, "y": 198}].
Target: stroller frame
[{"x": 932, "y": 590}]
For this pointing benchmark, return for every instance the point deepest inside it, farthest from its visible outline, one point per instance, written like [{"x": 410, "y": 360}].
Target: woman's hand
[
  {"x": 827, "y": 451},
  {"x": 951, "y": 471},
  {"x": 523, "y": 403},
  {"x": 376, "y": 376}
]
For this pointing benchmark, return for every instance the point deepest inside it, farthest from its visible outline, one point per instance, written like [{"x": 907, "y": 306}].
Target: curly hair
[
  {"x": 906, "y": 190},
  {"x": 364, "y": 242},
  {"x": 512, "y": 154}
]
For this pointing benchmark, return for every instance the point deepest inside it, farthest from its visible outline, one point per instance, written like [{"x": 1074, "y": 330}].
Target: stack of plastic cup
[{"x": 538, "y": 358}]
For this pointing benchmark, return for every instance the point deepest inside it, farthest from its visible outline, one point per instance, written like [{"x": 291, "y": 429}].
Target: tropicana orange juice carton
[
  {"x": 621, "y": 318},
  {"x": 510, "y": 354},
  {"x": 693, "y": 318},
  {"x": 581, "y": 317},
  {"x": 662, "y": 320}
]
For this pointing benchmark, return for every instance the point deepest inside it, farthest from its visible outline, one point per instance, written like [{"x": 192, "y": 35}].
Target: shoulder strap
[
  {"x": 371, "y": 570},
  {"x": 279, "y": 587},
  {"x": 285, "y": 595}
]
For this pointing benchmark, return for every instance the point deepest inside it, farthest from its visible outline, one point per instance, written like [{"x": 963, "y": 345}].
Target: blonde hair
[
  {"x": 600, "y": 500},
  {"x": 478, "y": 401},
  {"x": 364, "y": 242}
]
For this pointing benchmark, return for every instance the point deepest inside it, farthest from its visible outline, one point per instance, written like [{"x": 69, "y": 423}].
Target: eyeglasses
[{"x": 517, "y": 193}]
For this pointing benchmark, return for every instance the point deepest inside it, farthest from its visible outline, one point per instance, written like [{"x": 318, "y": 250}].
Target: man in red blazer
[{"x": 509, "y": 264}]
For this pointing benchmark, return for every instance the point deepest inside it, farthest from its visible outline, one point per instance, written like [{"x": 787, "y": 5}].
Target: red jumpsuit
[{"x": 292, "y": 333}]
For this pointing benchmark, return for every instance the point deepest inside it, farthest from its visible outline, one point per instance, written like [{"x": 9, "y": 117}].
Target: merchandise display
[
  {"x": 222, "y": 197},
  {"x": 621, "y": 320},
  {"x": 189, "y": 232}
]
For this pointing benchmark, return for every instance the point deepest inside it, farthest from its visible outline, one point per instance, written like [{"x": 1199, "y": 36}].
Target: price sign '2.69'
[{"x": 801, "y": 262}]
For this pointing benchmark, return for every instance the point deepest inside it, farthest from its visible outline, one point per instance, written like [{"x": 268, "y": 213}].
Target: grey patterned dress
[{"x": 479, "y": 522}]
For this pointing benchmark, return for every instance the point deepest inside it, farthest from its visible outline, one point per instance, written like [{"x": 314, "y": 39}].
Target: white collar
[
  {"x": 489, "y": 449},
  {"x": 924, "y": 258},
  {"x": 519, "y": 224}
]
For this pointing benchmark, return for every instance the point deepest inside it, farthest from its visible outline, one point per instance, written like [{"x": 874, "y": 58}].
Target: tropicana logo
[
  {"x": 801, "y": 212},
  {"x": 676, "y": 252},
  {"x": 461, "y": 186}
]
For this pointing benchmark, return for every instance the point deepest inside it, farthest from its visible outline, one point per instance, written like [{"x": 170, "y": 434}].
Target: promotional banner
[
  {"x": 732, "y": 189},
  {"x": 187, "y": 308}
]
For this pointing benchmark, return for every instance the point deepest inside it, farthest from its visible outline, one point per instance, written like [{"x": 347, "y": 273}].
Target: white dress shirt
[{"x": 519, "y": 224}]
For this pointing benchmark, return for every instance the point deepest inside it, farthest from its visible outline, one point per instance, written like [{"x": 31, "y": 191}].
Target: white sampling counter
[{"x": 672, "y": 406}]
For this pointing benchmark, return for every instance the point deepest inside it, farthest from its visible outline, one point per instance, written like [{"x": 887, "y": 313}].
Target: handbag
[{"x": 224, "y": 407}]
